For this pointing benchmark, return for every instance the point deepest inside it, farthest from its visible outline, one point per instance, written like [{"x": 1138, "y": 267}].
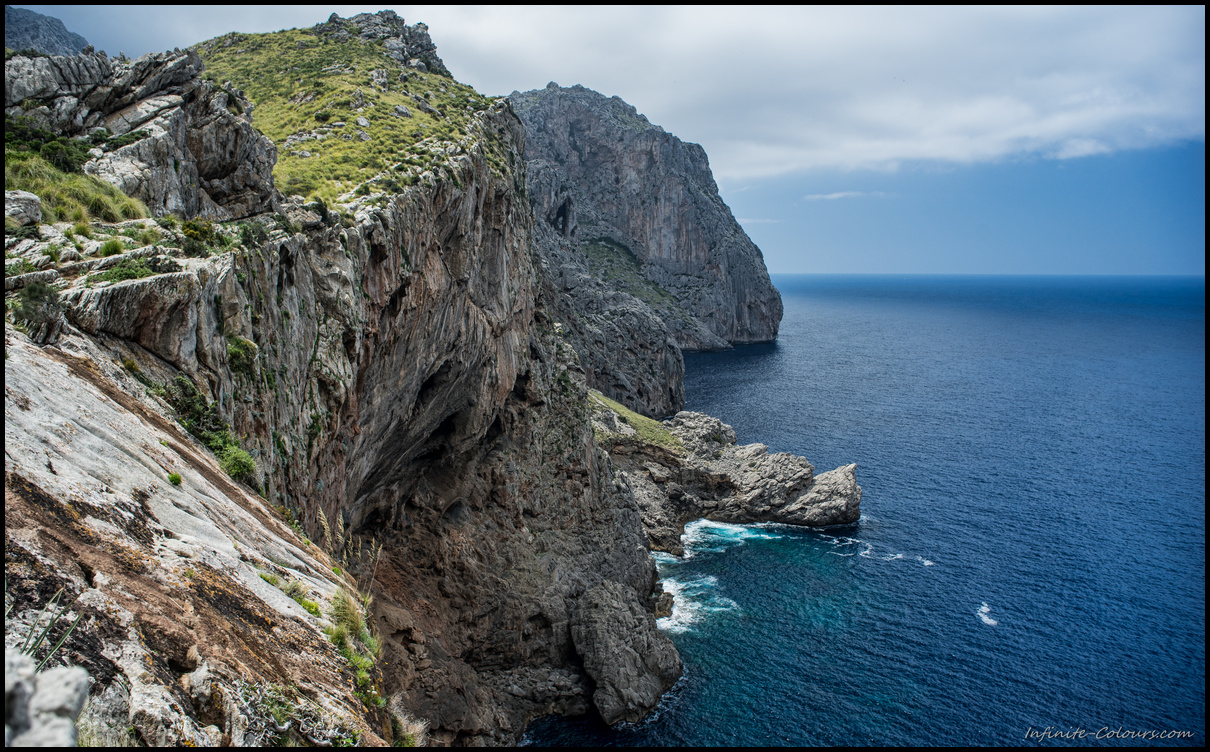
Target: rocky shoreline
[{"x": 319, "y": 473}]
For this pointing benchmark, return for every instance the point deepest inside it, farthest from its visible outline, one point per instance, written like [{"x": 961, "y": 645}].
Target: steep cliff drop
[
  {"x": 647, "y": 255},
  {"x": 317, "y": 474}
]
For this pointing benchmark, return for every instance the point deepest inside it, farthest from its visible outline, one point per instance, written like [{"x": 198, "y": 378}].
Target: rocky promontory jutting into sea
[{"x": 332, "y": 391}]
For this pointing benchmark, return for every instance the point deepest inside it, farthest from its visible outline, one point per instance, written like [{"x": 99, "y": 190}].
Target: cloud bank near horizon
[{"x": 770, "y": 91}]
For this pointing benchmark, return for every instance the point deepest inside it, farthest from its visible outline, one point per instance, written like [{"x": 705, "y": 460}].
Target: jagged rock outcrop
[
  {"x": 393, "y": 371},
  {"x": 26, "y": 30},
  {"x": 638, "y": 208},
  {"x": 190, "y": 148},
  {"x": 408, "y": 45},
  {"x": 631, "y": 661},
  {"x": 719, "y": 480},
  {"x": 180, "y": 617}
]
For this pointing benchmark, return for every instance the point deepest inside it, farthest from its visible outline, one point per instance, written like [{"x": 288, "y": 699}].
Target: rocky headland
[
  {"x": 313, "y": 470},
  {"x": 637, "y": 233}
]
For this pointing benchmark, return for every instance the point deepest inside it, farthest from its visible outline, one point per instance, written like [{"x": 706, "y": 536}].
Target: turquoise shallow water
[{"x": 1031, "y": 553}]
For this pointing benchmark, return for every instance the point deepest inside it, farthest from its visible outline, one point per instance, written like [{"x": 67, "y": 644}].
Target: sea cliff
[{"x": 314, "y": 467}]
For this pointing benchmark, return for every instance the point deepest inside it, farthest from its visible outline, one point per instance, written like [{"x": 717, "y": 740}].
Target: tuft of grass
[
  {"x": 174, "y": 478},
  {"x": 346, "y": 613},
  {"x": 294, "y": 589},
  {"x": 111, "y": 247},
  {"x": 269, "y": 578},
  {"x": 68, "y": 197},
  {"x": 408, "y": 730},
  {"x": 649, "y": 431},
  {"x": 150, "y": 236}
]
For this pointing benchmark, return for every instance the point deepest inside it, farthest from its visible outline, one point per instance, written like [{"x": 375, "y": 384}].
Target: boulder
[
  {"x": 632, "y": 662},
  {"x": 23, "y": 207}
]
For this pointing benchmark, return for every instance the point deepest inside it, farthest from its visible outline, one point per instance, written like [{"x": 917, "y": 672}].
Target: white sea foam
[
  {"x": 983, "y": 612},
  {"x": 924, "y": 561},
  {"x": 843, "y": 542},
  {"x": 693, "y": 602},
  {"x": 708, "y": 535}
]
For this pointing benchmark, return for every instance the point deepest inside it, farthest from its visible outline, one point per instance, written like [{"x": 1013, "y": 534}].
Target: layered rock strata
[
  {"x": 190, "y": 148},
  {"x": 396, "y": 377},
  {"x": 403, "y": 373}
]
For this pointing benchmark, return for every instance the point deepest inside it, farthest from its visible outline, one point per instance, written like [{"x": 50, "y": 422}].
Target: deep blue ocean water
[{"x": 1032, "y": 548}]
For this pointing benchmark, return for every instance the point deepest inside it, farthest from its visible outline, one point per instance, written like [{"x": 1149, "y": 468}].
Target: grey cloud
[{"x": 780, "y": 89}]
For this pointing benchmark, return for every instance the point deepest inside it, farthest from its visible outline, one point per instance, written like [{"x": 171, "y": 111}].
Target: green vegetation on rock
[
  {"x": 648, "y": 430},
  {"x": 68, "y": 197},
  {"x": 38, "y": 303},
  {"x": 314, "y": 87},
  {"x": 620, "y": 268},
  {"x": 127, "y": 268}
]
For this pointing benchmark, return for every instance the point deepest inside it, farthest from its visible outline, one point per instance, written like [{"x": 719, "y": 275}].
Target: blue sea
[{"x": 1031, "y": 557}]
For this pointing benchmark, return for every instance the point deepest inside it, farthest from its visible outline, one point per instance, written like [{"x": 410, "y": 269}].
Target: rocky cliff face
[
  {"x": 190, "y": 148},
  {"x": 26, "y": 30},
  {"x": 638, "y": 208},
  {"x": 401, "y": 370},
  {"x": 397, "y": 379}
]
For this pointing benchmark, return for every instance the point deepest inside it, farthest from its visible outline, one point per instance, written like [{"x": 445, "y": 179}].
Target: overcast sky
[{"x": 1023, "y": 134}]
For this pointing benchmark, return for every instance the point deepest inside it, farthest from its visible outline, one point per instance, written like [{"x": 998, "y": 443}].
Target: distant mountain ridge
[{"x": 26, "y": 30}]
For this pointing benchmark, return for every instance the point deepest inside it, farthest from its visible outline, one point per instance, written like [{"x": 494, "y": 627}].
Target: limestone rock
[
  {"x": 637, "y": 210},
  {"x": 22, "y": 207},
  {"x": 403, "y": 43},
  {"x": 198, "y": 156},
  {"x": 24, "y": 29},
  {"x": 653, "y": 194},
  {"x": 40, "y": 709},
  {"x": 719, "y": 480},
  {"x": 631, "y": 661}
]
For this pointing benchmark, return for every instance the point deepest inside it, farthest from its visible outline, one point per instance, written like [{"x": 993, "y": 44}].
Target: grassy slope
[
  {"x": 648, "y": 430},
  {"x": 619, "y": 267},
  {"x": 67, "y": 197},
  {"x": 275, "y": 68}
]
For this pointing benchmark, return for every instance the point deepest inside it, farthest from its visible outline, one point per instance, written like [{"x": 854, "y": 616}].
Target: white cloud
[
  {"x": 774, "y": 90},
  {"x": 771, "y": 90},
  {"x": 842, "y": 194}
]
